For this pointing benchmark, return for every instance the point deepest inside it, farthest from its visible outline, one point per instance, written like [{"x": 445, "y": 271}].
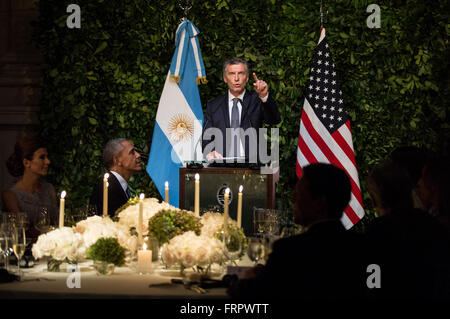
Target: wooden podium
[{"x": 259, "y": 191}]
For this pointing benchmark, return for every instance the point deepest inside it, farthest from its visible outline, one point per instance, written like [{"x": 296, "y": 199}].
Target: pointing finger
[{"x": 255, "y": 77}]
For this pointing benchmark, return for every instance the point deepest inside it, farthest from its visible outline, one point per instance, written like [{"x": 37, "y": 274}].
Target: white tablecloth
[{"x": 123, "y": 283}]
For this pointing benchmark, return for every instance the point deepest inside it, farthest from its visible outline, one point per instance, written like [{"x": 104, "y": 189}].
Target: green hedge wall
[{"x": 105, "y": 79}]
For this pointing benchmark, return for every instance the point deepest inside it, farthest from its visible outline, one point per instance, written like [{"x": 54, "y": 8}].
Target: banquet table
[{"x": 124, "y": 283}]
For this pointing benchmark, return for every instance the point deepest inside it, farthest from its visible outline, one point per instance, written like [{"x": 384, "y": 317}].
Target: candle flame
[
  {"x": 241, "y": 188},
  {"x": 63, "y": 194},
  {"x": 227, "y": 191},
  {"x": 197, "y": 177},
  {"x": 166, "y": 184},
  {"x": 106, "y": 176},
  {"x": 141, "y": 196},
  {"x": 144, "y": 247}
]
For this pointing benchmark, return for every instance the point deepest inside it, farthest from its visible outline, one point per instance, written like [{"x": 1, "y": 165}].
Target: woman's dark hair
[{"x": 24, "y": 148}]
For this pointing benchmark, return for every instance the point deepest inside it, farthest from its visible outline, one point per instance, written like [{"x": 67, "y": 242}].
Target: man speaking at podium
[{"x": 228, "y": 117}]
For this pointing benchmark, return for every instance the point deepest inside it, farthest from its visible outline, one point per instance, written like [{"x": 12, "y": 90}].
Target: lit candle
[
  {"x": 225, "y": 208},
  {"x": 166, "y": 186},
  {"x": 144, "y": 259},
  {"x": 61, "y": 209},
  {"x": 239, "y": 211},
  {"x": 105, "y": 195},
  {"x": 140, "y": 218},
  {"x": 197, "y": 195}
]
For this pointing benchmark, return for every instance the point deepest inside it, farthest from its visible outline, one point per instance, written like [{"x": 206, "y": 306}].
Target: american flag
[{"x": 325, "y": 134}]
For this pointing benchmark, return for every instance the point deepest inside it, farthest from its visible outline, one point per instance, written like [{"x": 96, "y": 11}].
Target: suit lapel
[
  {"x": 245, "y": 105},
  {"x": 115, "y": 184},
  {"x": 225, "y": 109}
]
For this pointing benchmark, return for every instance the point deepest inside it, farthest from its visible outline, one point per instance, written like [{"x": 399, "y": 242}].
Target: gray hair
[
  {"x": 113, "y": 148},
  {"x": 233, "y": 61}
]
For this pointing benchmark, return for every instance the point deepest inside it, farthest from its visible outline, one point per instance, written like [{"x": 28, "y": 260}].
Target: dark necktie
[
  {"x": 235, "y": 124},
  {"x": 128, "y": 193}
]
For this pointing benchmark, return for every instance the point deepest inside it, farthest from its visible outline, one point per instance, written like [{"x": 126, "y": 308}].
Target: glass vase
[
  {"x": 54, "y": 265},
  {"x": 103, "y": 267}
]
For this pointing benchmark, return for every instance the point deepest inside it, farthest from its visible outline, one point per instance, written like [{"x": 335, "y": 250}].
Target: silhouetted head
[
  {"x": 412, "y": 159},
  {"x": 390, "y": 188},
  {"x": 434, "y": 186},
  {"x": 323, "y": 192}
]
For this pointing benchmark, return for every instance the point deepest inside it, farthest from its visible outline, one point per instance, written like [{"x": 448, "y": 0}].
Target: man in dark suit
[
  {"x": 237, "y": 109},
  {"x": 122, "y": 161},
  {"x": 324, "y": 262}
]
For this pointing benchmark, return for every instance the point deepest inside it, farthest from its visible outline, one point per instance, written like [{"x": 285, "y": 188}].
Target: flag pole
[
  {"x": 185, "y": 7},
  {"x": 321, "y": 15}
]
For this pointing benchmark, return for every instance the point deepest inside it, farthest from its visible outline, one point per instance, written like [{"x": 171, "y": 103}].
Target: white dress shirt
[
  {"x": 122, "y": 181},
  {"x": 239, "y": 105}
]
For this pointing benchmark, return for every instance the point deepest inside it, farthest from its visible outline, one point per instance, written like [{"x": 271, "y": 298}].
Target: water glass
[
  {"x": 233, "y": 246},
  {"x": 255, "y": 249}
]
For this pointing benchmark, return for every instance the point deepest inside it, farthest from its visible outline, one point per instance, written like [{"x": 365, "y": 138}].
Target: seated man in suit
[
  {"x": 324, "y": 262},
  {"x": 122, "y": 161},
  {"x": 238, "y": 108}
]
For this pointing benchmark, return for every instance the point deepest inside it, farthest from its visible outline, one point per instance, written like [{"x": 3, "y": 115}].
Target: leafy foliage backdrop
[{"x": 104, "y": 80}]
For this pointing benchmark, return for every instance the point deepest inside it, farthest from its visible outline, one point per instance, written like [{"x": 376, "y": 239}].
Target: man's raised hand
[{"x": 261, "y": 87}]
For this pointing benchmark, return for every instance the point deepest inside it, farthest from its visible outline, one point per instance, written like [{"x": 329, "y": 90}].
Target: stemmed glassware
[
  {"x": 19, "y": 244},
  {"x": 255, "y": 249},
  {"x": 259, "y": 220},
  {"x": 5, "y": 244},
  {"x": 43, "y": 222},
  {"x": 7, "y": 225},
  {"x": 266, "y": 221},
  {"x": 272, "y": 222}
]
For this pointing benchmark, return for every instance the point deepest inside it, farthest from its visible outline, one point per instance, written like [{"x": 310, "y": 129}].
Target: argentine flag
[{"x": 179, "y": 117}]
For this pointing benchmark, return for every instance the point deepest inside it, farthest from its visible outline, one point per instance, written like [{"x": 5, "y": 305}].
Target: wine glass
[
  {"x": 21, "y": 220},
  {"x": 5, "y": 239},
  {"x": 3, "y": 246},
  {"x": 272, "y": 221},
  {"x": 43, "y": 222},
  {"x": 19, "y": 243},
  {"x": 259, "y": 220},
  {"x": 255, "y": 249}
]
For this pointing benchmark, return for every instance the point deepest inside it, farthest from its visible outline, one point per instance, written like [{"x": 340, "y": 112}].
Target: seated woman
[{"x": 31, "y": 194}]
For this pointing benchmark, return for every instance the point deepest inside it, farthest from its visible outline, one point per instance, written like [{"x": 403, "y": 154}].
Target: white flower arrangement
[
  {"x": 190, "y": 250},
  {"x": 212, "y": 223},
  {"x": 96, "y": 227},
  {"x": 60, "y": 244},
  {"x": 71, "y": 243},
  {"x": 213, "y": 227},
  {"x": 129, "y": 216}
]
